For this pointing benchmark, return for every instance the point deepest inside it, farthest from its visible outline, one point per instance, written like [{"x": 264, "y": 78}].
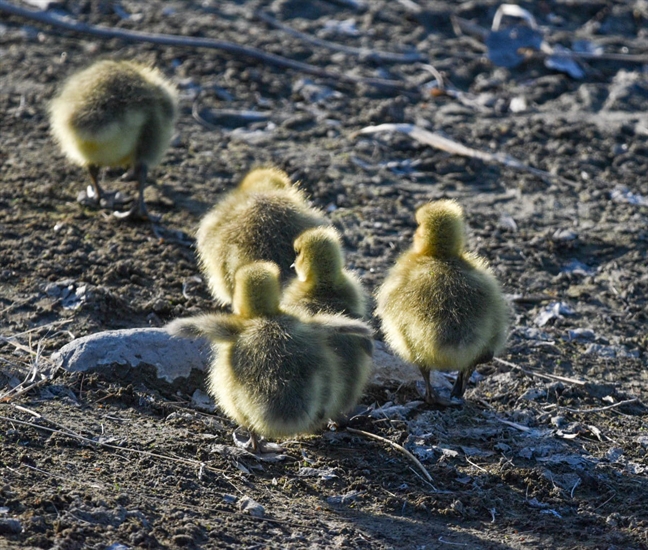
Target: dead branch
[
  {"x": 539, "y": 374},
  {"x": 450, "y": 146},
  {"x": 364, "y": 53},
  {"x": 396, "y": 446},
  {"x": 599, "y": 409},
  {"x": 193, "y": 42}
]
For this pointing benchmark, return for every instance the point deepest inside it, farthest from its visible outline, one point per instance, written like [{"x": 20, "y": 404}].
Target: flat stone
[
  {"x": 162, "y": 361},
  {"x": 149, "y": 355}
]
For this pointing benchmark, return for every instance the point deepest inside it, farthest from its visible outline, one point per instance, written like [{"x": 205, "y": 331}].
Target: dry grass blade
[
  {"x": 454, "y": 147},
  {"x": 396, "y": 446},
  {"x": 40, "y": 327},
  {"x": 35, "y": 371}
]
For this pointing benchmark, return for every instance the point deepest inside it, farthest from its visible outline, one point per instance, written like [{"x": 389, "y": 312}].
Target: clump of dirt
[{"x": 550, "y": 447}]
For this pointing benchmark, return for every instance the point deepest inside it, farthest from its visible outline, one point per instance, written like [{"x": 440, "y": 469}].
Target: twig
[
  {"x": 540, "y": 375},
  {"x": 246, "y": 116},
  {"x": 16, "y": 304},
  {"x": 79, "y": 437},
  {"x": 599, "y": 409},
  {"x": 514, "y": 425},
  {"x": 493, "y": 512},
  {"x": 608, "y": 500},
  {"x": 451, "y": 543},
  {"x": 24, "y": 348},
  {"x": 476, "y": 465},
  {"x": 40, "y": 327},
  {"x": 446, "y": 144},
  {"x": 396, "y": 446},
  {"x": 28, "y": 411},
  {"x": 364, "y": 53},
  {"x": 14, "y": 392},
  {"x": 193, "y": 42}
]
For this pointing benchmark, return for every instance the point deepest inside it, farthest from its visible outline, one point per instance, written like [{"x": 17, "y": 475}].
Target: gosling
[
  {"x": 440, "y": 306},
  {"x": 257, "y": 221},
  {"x": 322, "y": 284},
  {"x": 274, "y": 372},
  {"x": 115, "y": 113}
]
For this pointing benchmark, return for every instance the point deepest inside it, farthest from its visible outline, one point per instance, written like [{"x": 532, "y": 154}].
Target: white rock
[{"x": 120, "y": 353}]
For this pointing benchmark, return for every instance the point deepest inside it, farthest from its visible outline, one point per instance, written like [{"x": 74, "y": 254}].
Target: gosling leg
[
  {"x": 95, "y": 196},
  {"x": 253, "y": 442},
  {"x": 464, "y": 375},
  {"x": 431, "y": 396},
  {"x": 461, "y": 382},
  {"x": 138, "y": 211}
]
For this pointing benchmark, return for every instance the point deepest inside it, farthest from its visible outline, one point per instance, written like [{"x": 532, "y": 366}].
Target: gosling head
[
  {"x": 265, "y": 179},
  {"x": 319, "y": 255},
  {"x": 257, "y": 290},
  {"x": 441, "y": 229}
]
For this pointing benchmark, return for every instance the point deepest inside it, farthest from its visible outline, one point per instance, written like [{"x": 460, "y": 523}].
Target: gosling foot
[
  {"x": 138, "y": 212},
  {"x": 251, "y": 442},
  {"x": 109, "y": 200},
  {"x": 433, "y": 398}
]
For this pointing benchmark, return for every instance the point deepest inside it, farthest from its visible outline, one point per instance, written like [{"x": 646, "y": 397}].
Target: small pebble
[
  {"x": 10, "y": 526},
  {"x": 250, "y": 506}
]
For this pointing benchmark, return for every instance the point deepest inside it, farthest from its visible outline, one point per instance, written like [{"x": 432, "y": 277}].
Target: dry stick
[
  {"x": 14, "y": 392},
  {"x": 599, "y": 409},
  {"x": 540, "y": 375},
  {"x": 74, "y": 435},
  {"x": 514, "y": 425},
  {"x": 396, "y": 446},
  {"x": 21, "y": 388},
  {"x": 361, "y": 52},
  {"x": 445, "y": 144},
  {"x": 24, "y": 348},
  {"x": 192, "y": 42},
  {"x": 40, "y": 327}
]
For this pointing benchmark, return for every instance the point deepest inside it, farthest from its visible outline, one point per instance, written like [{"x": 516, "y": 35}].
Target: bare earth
[{"x": 528, "y": 462}]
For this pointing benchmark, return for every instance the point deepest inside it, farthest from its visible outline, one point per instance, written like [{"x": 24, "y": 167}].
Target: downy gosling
[
  {"x": 274, "y": 372},
  {"x": 440, "y": 306},
  {"x": 257, "y": 221},
  {"x": 322, "y": 284},
  {"x": 115, "y": 113}
]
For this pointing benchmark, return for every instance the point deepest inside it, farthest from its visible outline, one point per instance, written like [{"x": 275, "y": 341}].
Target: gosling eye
[{"x": 292, "y": 265}]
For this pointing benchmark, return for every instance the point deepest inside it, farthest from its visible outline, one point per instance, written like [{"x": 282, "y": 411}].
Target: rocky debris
[
  {"x": 10, "y": 526},
  {"x": 251, "y": 506}
]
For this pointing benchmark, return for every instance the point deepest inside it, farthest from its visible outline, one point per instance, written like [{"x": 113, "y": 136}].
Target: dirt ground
[{"x": 528, "y": 462}]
